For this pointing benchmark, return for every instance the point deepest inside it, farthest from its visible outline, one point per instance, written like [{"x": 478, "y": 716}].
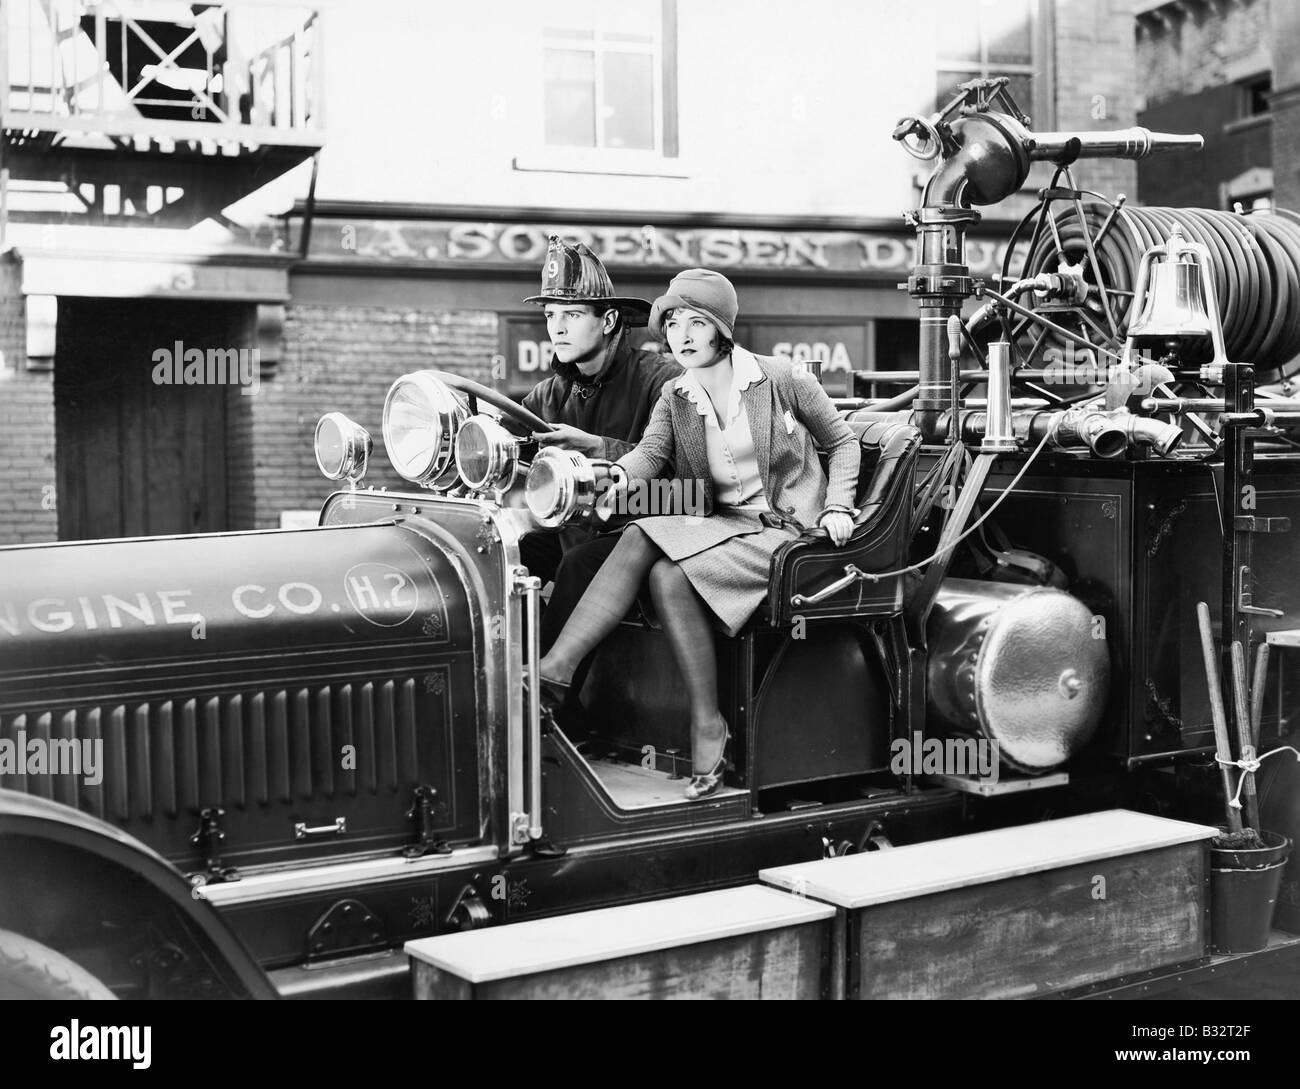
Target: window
[
  {"x": 1254, "y": 96},
  {"x": 1251, "y": 189},
  {"x": 986, "y": 38},
  {"x": 610, "y": 75}
]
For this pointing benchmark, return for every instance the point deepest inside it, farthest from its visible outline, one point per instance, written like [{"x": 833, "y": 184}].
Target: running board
[{"x": 582, "y": 805}]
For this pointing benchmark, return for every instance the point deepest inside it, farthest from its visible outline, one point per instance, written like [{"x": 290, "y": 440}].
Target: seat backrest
[
  {"x": 880, "y": 542},
  {"x": 889, "y": 450}
]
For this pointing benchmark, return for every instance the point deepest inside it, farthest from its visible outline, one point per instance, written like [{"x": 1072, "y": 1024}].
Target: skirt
[{"x": 727, "y": 556}]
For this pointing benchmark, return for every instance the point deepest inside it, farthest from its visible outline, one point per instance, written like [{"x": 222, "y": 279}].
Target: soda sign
[
  {"x": 528, "y": 352},
  {"x": 840, "y": 347},
  {"x": 834, "y": 356}
]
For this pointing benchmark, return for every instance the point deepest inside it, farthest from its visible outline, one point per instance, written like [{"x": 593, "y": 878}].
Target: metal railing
[{"x": 99, "y": 65}]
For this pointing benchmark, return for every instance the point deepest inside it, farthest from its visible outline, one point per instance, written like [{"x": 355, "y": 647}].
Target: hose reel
[{"x": 1255, "y": 261}]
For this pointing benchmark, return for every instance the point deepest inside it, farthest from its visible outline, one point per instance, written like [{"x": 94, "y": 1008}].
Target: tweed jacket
[{"x": 787, "y": 411}]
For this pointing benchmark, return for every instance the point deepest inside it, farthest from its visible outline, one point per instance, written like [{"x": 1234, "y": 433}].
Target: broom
[
  {"x": 1237, "y": 836},
  {"x": 1245, "y": 740}
]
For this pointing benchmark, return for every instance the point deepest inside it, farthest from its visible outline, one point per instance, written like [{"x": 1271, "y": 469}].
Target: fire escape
[{"x": 150, "y": 112}]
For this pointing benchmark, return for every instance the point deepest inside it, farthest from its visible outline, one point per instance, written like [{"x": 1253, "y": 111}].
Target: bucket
[
  {"x": 1279, "y": 807},
  {"x": 1244, "y": 885}
]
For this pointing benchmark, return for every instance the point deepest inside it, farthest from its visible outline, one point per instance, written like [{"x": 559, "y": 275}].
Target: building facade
[
  {"x": 1231, "y": 71},
  {"x": 425, "y": 151},
  {"x": 1209, "y": 67}
]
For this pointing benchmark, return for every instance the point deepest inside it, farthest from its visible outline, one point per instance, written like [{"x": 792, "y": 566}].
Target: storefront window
[
  {"x": 986, "y": 38},
  {"x": 610, "y": 73},
  {"x": 527, "y": 350},
  {"x": 842, "y": 347}
]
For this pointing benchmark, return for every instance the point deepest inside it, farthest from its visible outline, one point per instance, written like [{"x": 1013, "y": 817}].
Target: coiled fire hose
[{"x": 1255, "y": 260}]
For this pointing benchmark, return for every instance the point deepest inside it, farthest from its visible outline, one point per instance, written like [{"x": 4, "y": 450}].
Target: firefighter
[{"x": 599, "y": 399}]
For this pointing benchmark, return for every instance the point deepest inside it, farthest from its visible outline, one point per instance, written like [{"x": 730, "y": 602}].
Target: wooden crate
[
  {"x": 1017, "y": 912},
  {"x": 750, "y": 942}
]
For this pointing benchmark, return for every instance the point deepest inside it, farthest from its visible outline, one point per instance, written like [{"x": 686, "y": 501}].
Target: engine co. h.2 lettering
[{"x": 379, "y": 594}]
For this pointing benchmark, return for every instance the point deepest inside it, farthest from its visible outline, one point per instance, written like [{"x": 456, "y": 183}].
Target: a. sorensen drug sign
[{"x": 487, "y": 243}]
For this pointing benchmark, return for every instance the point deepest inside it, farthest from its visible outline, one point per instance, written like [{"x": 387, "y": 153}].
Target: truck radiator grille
[{"x": 162, "y": 758}]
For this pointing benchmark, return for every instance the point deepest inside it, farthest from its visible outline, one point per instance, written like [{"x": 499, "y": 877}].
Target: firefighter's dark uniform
[{"x": 616, "y": 405}]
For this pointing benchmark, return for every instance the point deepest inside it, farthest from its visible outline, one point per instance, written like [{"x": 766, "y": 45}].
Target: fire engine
[{"x": 317, "y": 744}]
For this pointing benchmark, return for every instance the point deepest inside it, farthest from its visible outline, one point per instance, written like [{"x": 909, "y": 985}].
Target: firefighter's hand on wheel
[
  {"x": 571, "y": 439},
  {"x": 838, "y": 525}
]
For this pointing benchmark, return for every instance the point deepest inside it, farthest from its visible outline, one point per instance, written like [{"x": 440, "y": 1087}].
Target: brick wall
[
  {"x": 1192, "y": 179},
  {"x": 338, "y": 359},
  {"x": 27, "y": 480},
  {"x": 1096, "y": 83},
  {"x": 1286, "y": 106},
  {"x": 1192, "y": 58},
  {"x": 1286, "y": 148},
  {"x": 1184, "y": 51}
]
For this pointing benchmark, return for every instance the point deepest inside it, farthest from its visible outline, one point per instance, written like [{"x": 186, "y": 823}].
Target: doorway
[{"x": 142, "y": 452}]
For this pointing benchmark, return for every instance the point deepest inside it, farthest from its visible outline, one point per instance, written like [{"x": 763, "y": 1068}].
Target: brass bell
[
  {"x": 1175, "y": 299},
  {"x": 1175, "y": 304}
]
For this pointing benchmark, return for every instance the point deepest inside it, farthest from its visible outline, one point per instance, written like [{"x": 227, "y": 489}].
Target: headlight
[
  {"x": 421, "y": 417},
  {"x": 342, "y": 447},
  {"x": 562, "y": 485},
  {"x": 487, "y": 455}
]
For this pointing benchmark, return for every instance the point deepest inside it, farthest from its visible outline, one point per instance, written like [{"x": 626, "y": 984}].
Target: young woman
[{"x": 743, "y": 427}]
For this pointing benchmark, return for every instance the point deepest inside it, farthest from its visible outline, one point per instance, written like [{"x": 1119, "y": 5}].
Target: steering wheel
[{"x": 496, "y": 398}]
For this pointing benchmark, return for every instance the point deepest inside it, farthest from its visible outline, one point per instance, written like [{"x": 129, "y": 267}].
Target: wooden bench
[
  {"x": 750, "y": 942},
  {"x": 1016, "y": 912}
]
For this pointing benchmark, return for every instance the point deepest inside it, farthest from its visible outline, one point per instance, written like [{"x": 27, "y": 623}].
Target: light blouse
[{"x": 729, "y": 443}]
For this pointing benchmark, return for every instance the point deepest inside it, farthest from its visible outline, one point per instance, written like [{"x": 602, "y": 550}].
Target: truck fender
[{"x": 113, "y": 906}]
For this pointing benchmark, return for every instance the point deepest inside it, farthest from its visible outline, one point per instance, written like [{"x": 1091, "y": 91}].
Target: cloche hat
[
  {"x": 575, "y": 274},
  {"x": 703, "y": 290}
]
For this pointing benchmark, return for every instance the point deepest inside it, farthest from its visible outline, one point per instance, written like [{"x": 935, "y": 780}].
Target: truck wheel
[{"x": 29, "y": 970}]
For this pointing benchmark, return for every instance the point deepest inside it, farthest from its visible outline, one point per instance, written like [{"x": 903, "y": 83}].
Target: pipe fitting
[
  {"x": 1162, "y": 437},
  {"x": 1107, "y": 434},
  {"x": 1104, "y": 435},
  {"x": 989, "y": 166}
]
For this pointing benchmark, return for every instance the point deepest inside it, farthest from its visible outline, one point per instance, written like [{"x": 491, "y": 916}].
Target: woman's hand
[
  {"x": 612, "y": 492},
  {"x": 839, "y": 525}
]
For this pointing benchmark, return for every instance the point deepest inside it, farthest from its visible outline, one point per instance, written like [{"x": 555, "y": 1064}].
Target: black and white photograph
[{"x": 650, "y": 499}]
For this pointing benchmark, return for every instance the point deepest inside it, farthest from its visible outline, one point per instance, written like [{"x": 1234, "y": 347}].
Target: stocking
[
  {"x": 686, "y": 621},
  {"x": 606, "y": 602}
]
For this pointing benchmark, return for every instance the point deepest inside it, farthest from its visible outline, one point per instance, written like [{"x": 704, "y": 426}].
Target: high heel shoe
[
  {"x": 553, "y": 695},
  {"x": 701, "y": 786}
]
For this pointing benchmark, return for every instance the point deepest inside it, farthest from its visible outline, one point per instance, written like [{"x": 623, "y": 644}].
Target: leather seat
[{"x": 881, "y": 534}]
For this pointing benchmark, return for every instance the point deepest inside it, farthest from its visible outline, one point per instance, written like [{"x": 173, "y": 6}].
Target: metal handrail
[
  {"x": 528, "y": 826},
  {"x": 271, "y": 91}
]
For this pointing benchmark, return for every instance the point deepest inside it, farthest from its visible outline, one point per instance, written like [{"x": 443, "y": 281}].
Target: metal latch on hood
[
  {"x": 424, "y": 810},
  {"x": 208, "y": 840}
]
